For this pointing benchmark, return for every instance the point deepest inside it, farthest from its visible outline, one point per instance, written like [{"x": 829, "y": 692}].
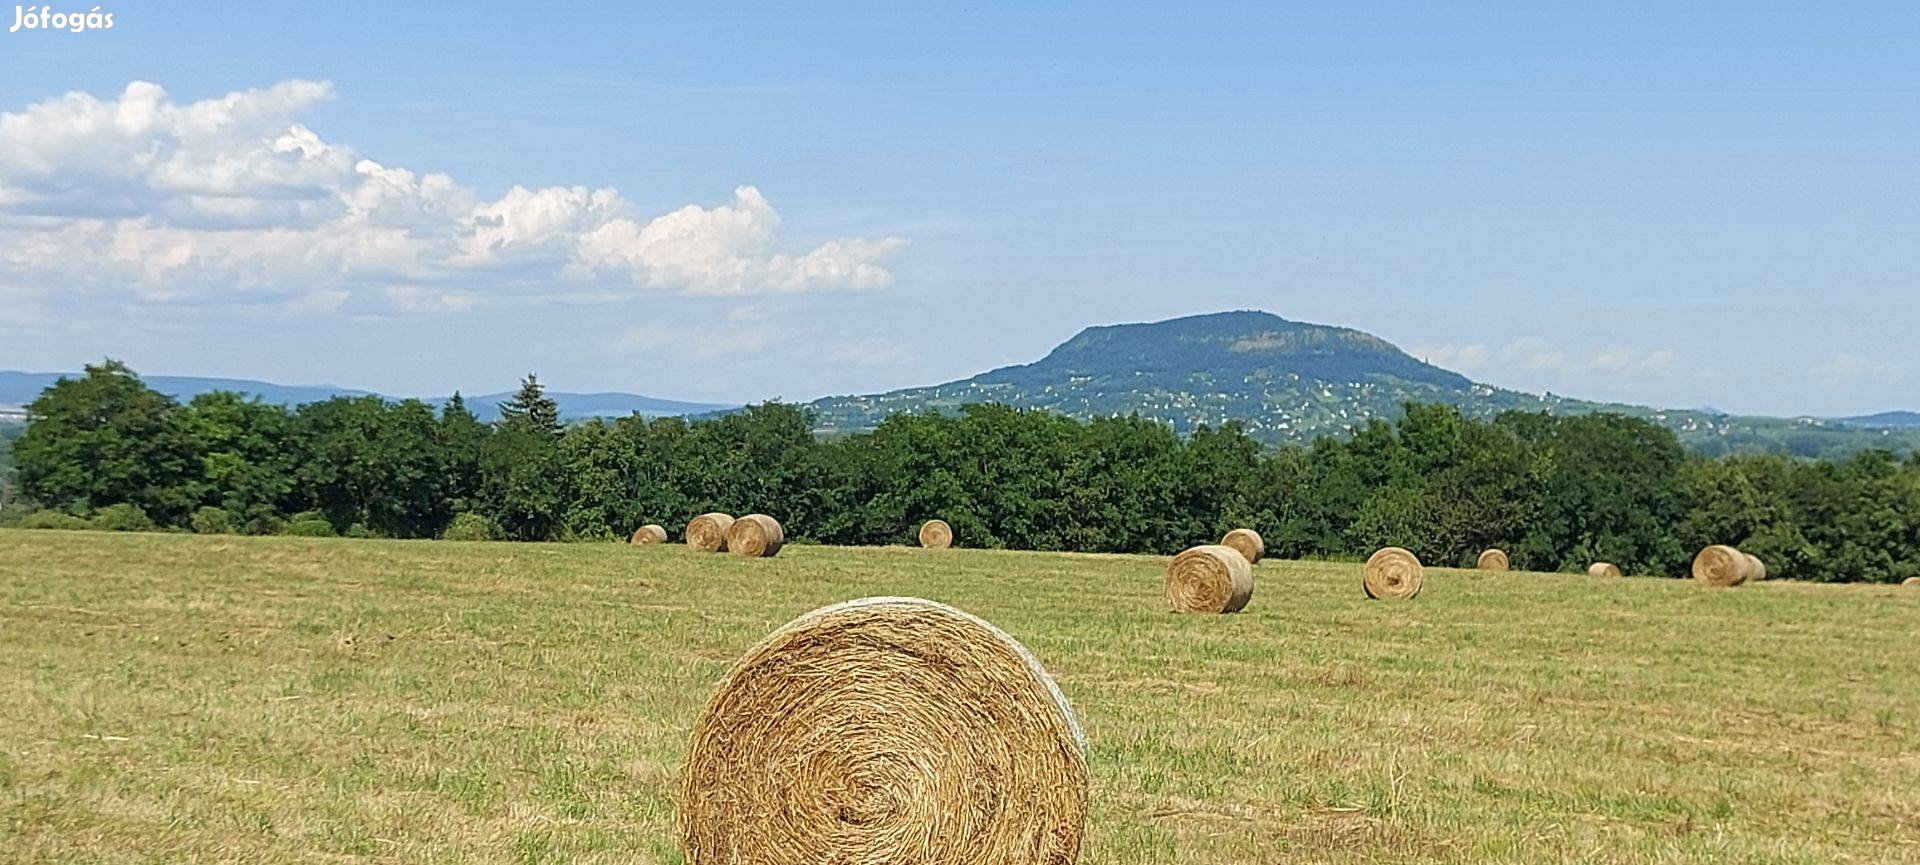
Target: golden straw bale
[
  {"x": 1603, "y": 569},
  {"x": 1493, "y": 560},
  {"x": 1248, "y": 542},
  {"x": 756, "y": 536},
  {"x": 936, "y": 535},
  {"x": 1393, "y": 574},
  {"x": 1209, "y": 579},
  {"x": 885, "y": 730},
  {"x": 649, "y": 534},
  {"x": 1722, "y": 566},
  {"x": 707, "y": 533}
]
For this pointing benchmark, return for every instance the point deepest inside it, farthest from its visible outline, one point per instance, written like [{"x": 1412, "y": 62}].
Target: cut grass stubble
[{"x": 272, "y": 700}]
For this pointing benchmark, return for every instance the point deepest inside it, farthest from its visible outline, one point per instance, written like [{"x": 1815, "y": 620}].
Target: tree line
[{"x": 1557, "y": 493}]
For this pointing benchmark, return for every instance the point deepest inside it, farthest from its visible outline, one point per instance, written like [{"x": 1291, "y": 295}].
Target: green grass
[{"x": 179, "y": 698}]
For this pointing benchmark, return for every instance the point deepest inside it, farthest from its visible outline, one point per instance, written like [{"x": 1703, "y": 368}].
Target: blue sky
[{"x": 1716, "y": 206}]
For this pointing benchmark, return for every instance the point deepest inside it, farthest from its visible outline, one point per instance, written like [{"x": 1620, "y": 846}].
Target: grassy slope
[{"x": 173, "y": 698}]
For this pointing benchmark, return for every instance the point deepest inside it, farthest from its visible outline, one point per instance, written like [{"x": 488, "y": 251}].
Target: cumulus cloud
[
  {"x": 1459, "y": 358},
  {"x": 234, "y": 198},
  {"x": 1532, "y": 354},
  {"x": 1622, "y": 359},
  {"x": 872, "y": 351},
  {"x": 699, "y": 342},
  {"x": 1853, "y": 368}
]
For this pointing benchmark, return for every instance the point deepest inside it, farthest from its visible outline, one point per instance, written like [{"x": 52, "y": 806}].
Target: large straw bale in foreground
[
  {"x": 1911, "y": 582},
  {"x": 1209, "y": 579},
  {"x": 1249, "y": 544},
  {"x": 1493, "y": 560},
  {"x": 1393, "y": 574},
  {"x": 650, "y": 533},
  {"x": 756, "y": 536},
  {"x": 936, "y": 535},
  {"x": 1603, "y": 569},
  {"x": 880, "y": 731},
  {"x": 1722, "y": 566},
  {"x": 707, "y": 533}
]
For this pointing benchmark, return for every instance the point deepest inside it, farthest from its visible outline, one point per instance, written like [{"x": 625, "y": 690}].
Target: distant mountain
[
  {"x": 1891, "y": 419},
  {"x": 20, "y": 388},
  {"x": 1289, "y": 381},
  {"x": 580, "y": 406},
  {"x": 1285, "y": 381}
]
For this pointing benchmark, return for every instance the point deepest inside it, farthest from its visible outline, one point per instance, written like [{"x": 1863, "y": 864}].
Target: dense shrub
[
  {"x": 122, "y": 517},
  {"x": 468, "y": 527},
  {"x": 51, "y": 519},
  {"x": 310, "y": 528},
  {"x": 262, "y": 520},
  {"x": 212, "y": 520}
]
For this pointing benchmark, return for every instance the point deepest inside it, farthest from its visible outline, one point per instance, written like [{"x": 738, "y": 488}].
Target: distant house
[{"x": 13, "y": 414}]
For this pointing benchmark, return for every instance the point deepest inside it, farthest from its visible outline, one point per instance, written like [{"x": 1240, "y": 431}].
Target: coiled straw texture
[
  {"x": 1209, "y": 579},
  {"x": 1248, "y": 542},
  {"x": 1722, "y": 566},
  {"x": 707, "y": 533},
  {"x": 885, "y": 730},
  {"x": 936, "y": 535},
  {"x": 1393, "y": 574},
  {"x": 756, "y": 536}
]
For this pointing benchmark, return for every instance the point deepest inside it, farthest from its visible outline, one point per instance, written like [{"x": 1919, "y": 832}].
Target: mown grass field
[{"x": 172, "y": 698}]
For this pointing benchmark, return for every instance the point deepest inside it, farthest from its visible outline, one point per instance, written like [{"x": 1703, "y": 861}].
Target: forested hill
[
  {"x": 20, "y": 388},
  {"x": 1292, "y": 382},
  {"x": 1227, "y": 346},
  {"x": 1286, "y": 382}
]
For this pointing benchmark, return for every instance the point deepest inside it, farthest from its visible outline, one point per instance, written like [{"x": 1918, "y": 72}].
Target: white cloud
[
  {"x": 699, "y": 342},
  {"x": 1622, "y": 359},
  {"x": 1851, "y": 368},
  {"x": 1534, "y": 354},
  {"x": 871, "y": 351},
  {"x": 234, "y": 199},
  {"x": 1459, "y": 358}
]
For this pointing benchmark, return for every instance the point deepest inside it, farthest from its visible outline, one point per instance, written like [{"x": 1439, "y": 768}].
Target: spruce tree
[{"x": 530, "y": 409}]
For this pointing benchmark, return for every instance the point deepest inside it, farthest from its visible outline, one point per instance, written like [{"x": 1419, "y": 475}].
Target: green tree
[
  {"x": 523, "y": 484},
  {"x": 531, "y": 410},
  {"x": 602, "y": 472},
  {"x": 462, "y": 440},
  {"x": 246, "y": 467},
  {"x": 106, "y": 438},
  {"x": 1611, "y": 490},
  {"x": 364, "y": 460}
]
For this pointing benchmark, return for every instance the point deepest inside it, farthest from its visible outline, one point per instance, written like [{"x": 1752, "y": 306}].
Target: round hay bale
[
  {"x": 707, "y": 533},
  {"x": 1393, "y": 574},
  {"x": 1248, "y": 543},
  {"x": 1911, "y": 582},
  {"x": 1209, "y": 579},
  {"x": 1720, "y": 565},
  {"x": 936, "y": 535},
  {"x": 1492, "y": 560},
  {"x": 885, "y": 730},
  {"x": 1756, "y": 569},
  {"x": 756, "y": 536},
  {"x": 1603, "y": 569},
  {"x": 649, "y": 534}
]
